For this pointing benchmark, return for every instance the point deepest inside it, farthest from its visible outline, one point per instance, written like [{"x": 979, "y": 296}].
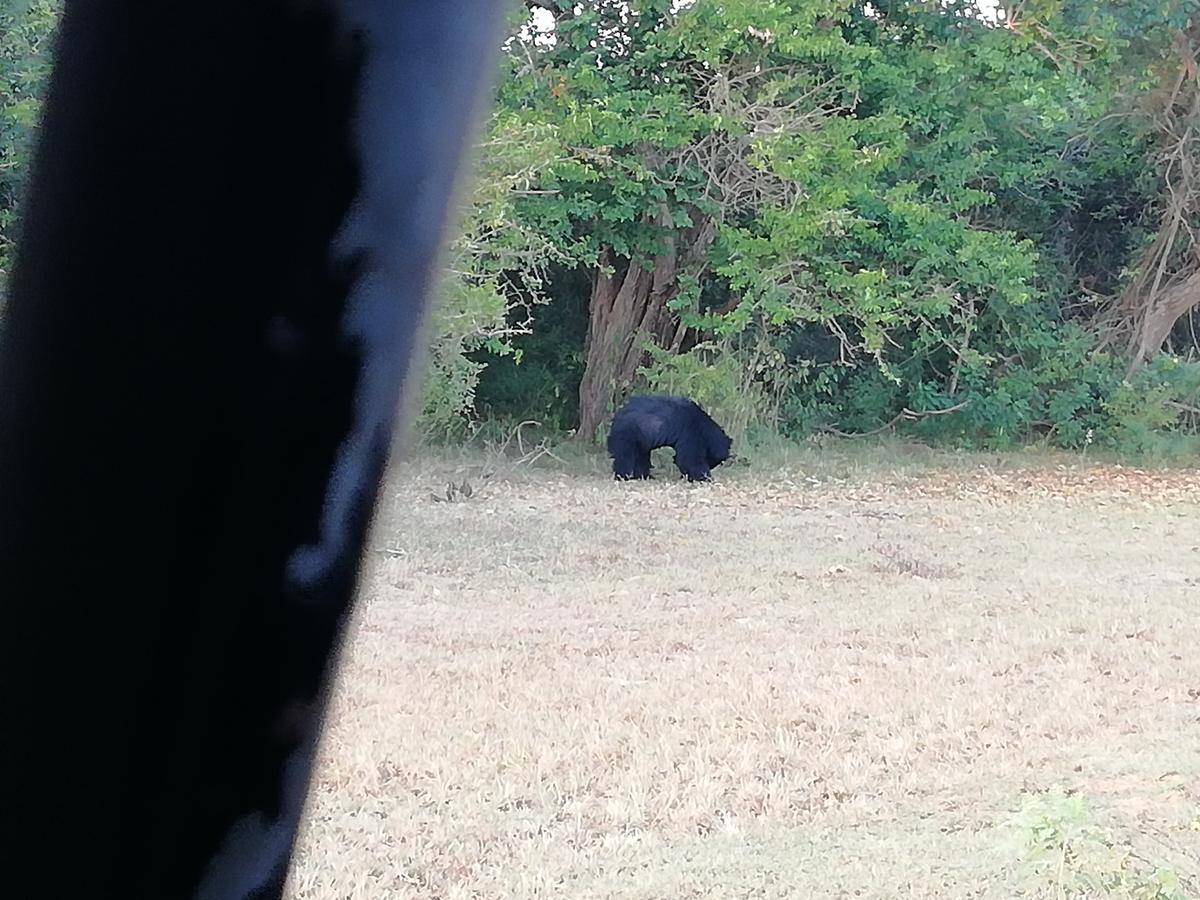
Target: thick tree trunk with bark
[
  {"x": 629, "y": 310},
  {"x": 1159, "y": 316},
  {"x": 1168, "y": 285}
]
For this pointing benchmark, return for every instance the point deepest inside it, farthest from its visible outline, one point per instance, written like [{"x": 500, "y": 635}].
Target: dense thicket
[{"x": 977, "y": 224}]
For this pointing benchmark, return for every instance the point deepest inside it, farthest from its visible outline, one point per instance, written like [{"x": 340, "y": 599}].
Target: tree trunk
[
  {"x": 628, "y": 310},
  {"x": 1168, "y": 286},
  {"x": 1164, "y": 310}
]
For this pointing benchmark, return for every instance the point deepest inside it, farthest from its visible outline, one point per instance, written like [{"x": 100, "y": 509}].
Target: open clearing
[{"x": 838, "y": 677}]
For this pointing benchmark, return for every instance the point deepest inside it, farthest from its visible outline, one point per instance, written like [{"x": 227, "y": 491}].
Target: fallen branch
[
  {"x": 906, "y": 414},
  {"x": 537, "y": 453},
  {"x": 1187, "y": 408},
  {"x": 516, "y": 432}
]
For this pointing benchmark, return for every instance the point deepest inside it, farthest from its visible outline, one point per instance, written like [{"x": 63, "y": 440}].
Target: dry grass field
[{"x": 837, "y": 675}]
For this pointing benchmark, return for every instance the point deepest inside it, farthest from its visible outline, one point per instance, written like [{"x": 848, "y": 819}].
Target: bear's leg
[
  {"x": 691, "y": 459},
  {"x": 641, "y": 466},
  {"x": 624, "y": 468},
  {"x": 626, "y": 456}
]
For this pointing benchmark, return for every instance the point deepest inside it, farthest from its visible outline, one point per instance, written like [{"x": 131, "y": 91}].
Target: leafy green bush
[
  {"x": 496, "y": 273},
  {"x": 1059, "y": 848},
  {"x": 715, "y": 380},
  {"x": 540, "y": 379}
]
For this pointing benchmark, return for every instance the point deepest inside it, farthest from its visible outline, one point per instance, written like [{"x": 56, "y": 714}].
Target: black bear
[{"x": 647, "y": 422}]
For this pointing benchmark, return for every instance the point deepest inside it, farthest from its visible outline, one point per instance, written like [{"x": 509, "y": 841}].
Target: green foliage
[
  {"x": 1141, "y": 413},
  {"x": 714, "y": 379},
  {"x": 26, "y": 30},
  {"x": 540, "y": 379},
  {"x": 612, "y": 88},
  {"x": 1060, "y": 848},
  {"x": 496, "y": 273},
  {"x": 920, "y": 198},
  {"x": 901, "y": 257},
  {"x": 915, "y": 208}
]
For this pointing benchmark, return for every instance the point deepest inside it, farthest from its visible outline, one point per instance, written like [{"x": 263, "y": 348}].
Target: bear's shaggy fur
[{"x": 649, "y": 421}]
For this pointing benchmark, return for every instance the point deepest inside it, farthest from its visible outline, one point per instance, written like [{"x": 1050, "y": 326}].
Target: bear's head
[{"x": 719, "y": 446}]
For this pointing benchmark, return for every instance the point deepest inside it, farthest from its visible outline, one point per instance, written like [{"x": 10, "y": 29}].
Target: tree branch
[{"x": 906, "y": 414}]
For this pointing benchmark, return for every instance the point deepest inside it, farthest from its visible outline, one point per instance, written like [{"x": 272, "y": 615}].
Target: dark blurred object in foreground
[{"x": 227, "y": 251}]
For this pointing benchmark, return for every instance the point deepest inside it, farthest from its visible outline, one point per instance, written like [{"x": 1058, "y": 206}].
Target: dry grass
[{"x": 827, "y": 679}]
